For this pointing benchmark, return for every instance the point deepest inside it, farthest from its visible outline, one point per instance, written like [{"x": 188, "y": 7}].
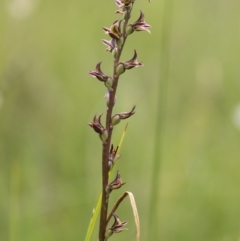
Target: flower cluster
[{"x": 118, "y": 33}]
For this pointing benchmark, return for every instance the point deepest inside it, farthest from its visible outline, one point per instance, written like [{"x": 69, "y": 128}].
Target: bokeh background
[{"x": 187, "y": 122}]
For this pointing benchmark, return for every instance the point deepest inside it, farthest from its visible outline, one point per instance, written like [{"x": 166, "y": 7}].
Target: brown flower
[
  {"x": 115, "y": 30},
  {"x": 140, "y": 24},
  {"x": 125, "y": 115},
  {"x": 117, "y": 226},
  {"x": 98, "y": 73},
  {"x": 111, "y": 44},
  {"x": 116, "y": 183},
  {"x": 132, "y": 62},
  {"x": 112, "y": 156},
  {"x": 101, "y": 76},
  {"x": 98, "y": 127},
  {"x": 121, "y": 116},
  {"x": 123, "y": 5}
]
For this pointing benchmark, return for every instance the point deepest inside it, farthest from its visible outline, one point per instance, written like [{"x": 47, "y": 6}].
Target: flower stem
[{"x": 106, "y": 145}]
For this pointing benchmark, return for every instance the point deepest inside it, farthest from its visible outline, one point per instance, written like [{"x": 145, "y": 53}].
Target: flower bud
[
  {"x": 120, "y": 69},
  {"x": 104, "y": 135},
  {"x": 115, "y": 120},
  {"x": 129, "y": 30},
  {"x": 108, "y": 83},
  {"x": 108, "y": 233},
  {"x": 120, "y": 42},
  {"x": 114, "y": 53}
]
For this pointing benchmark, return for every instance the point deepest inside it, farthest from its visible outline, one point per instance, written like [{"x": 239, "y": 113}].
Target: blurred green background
[{"x": 50, "y": 172}]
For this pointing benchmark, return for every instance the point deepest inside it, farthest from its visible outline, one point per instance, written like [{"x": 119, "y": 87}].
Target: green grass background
[{"x": 50, "y": 174}]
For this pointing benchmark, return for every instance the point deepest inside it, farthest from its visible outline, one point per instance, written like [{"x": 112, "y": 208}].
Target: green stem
[{"x": 160, "y": 118}]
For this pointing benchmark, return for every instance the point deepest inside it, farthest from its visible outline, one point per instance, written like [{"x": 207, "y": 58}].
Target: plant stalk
[{"x": 106, "y": 145}]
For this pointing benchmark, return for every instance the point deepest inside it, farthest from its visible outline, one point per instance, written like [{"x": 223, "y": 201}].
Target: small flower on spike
[
  {"x": 101, "y": 76},
  {"x": 117, "y": 226},
  {"x": 116, "y": 183},
  {"x": 111, "y": 44},
  {"x": 125, "y": 115},
  {"x": 115, "y": 30},
  {"x": 123, "y": 5},
  {"x": 132, "y": 62},
  {"x": 112, "y": 156},
  {"x": 98, "y": 127},
  {"x": 140, "y": 24},
  {"x": 121, "y": 116}
]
